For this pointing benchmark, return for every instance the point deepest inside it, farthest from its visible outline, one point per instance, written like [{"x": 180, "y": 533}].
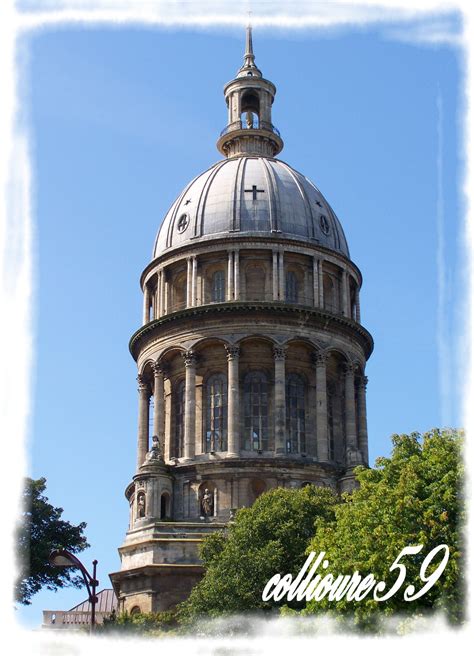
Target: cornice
[{"x": 318, "y": 316}]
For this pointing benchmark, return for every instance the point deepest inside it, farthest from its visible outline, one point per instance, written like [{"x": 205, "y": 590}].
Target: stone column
[
  {"x": 320, "y": 284},
  {"x": 362, "y": 411},
  {"x": 230, "y": 276},
  {"x": 344, "y": 290},
  {"x": 189, "y": 405},
  {"x": 348, "y": 293},
  {"x": 316, "y": 281},
  {"x": 281, "y": 276},
  {"x": 233, "y": 405},
  {"x": 143, "y": 419},
  {"x": 194, "y": 280},
  {"x": 162, "y": 293},
  {"x": 280, "y": 400},
  {"x": 351, "y": 434},
  {"x": 167, "y": 306},
  {"x": 146, "y": 304},
  {"x": 275, "y": 275},
  {"x": 236, "y": 275},
  {"x": 156, "y": 301},
  {"x": 189, "y": 284},
  {"x": 357, "y": 305},
  {"x": 159, "y": 405},
  {"x": 320, "y": 360}
]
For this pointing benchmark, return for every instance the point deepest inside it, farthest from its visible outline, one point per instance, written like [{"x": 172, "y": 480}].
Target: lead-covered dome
[{"x": 250, "y": 196}]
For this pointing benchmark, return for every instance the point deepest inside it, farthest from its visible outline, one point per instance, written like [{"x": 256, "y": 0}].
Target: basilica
[{"x": 251, "y": 354}]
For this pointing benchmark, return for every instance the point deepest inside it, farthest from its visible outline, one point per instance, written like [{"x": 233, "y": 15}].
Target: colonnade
[
  {"x": 355, "y": 413},
  {"x": 157, "y": 300}
]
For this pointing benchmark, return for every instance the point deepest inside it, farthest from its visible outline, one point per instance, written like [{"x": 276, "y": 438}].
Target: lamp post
[{"x": 63, "y": 558}]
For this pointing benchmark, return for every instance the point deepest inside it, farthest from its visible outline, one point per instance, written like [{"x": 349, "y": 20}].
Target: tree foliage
[
  {"x": 412, "y": 498},
  {"x": 41, "y": 530},
  {"x": 267, "y": 538},
  {"x": 148, "y": 624}
]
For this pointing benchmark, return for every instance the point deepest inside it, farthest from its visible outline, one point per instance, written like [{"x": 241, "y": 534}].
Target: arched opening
[
  {"x": 257, "y": 487},
  {"x": 178, "y": 400},
  {"x": 331, "y": 395},
  {"x": 352, "y": 300},
  {"x": 295, "y": 414},
  {"x": 216, "y": 414},
  {"x": 141, "y": 505},
  {"x": 256, "y": 411},
  {"x": 207, "y": 499},
  {"x": 250, "y": 110},
  {"x": 165, "y": 506},
  {"x": 135, "y": 610},
  {"x": 218, "y": 287},
  {"x": 178, "y": 291},
  {"x": 329, "y": 293}
]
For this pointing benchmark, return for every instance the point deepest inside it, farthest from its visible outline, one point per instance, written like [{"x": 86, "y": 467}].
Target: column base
[{"x": 232, "y": 454}]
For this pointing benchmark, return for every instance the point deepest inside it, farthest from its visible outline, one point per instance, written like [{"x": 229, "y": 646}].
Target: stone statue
[
  {"x": 207, "y": 503},
  {"x": 141, "y": 505},
  {"x": 155, "y": 452}
]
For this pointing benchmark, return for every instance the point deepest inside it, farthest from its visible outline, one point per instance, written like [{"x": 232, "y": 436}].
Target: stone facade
[{"x": 251, "y": 354}]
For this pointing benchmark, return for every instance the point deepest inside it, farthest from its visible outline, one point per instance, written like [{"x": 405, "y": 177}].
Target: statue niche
[
  {"x": 207, "y": 503},
  {"x": 141, "y": 505}
]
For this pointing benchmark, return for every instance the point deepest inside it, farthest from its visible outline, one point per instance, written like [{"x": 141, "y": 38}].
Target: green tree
[
  {"x": 41, "y": 530},
  {"x": 270, "y": 537},
  {"x": 146, "y": 624},
  {"x": 412, "y": 498}
]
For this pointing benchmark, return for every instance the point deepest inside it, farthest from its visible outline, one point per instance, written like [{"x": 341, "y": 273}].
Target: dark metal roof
[{"x": 107, "y": 602}]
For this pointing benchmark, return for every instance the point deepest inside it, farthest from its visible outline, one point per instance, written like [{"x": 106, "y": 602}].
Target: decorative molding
[
  {"x": 320, "y": 358},
  {"x": 143, "y": 385},
  {"x": 279, "y": 353},
  {"x": 160, "y": 369},
  {"x": 362, "y": 382},
  {"x": 233, "y": 352},
  {"x": 328, "y": 319},
  {"x": 190, "y": 358},
  {"x": 349, "y": 368}
]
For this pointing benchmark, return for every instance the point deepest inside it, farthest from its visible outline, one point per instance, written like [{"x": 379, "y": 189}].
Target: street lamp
[{"x": 63, "y": 558}]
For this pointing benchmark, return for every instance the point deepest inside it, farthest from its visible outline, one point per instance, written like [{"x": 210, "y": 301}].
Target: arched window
[
  {"x": 179, "y": 293},
  {"x": 216, "y": 414},
  {"x": 329, "y": 293},
  {"x": 330, "y": 409},
  {"x": 218, "y": 287},
  {"x": 295, "y": 414},
  {"x": 164, "y": 505},
  {"x": 291, "y": 294},
  {"x": 256, "y": 433},
  {"x": 178, "y": 413}
]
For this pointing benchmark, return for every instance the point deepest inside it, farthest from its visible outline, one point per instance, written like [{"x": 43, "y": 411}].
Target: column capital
[
  {"x": 143, "y": 385},
  {"x": 279, "y": 353},
  {"x": 190, "y": 358},
  {"x": 349, "y": 369},
  {"x": 159, "y": 369},
  {"x": 320, "y": 358},
  {"x": 362, "y": 382},
  {"x": 233, "y": 352}
]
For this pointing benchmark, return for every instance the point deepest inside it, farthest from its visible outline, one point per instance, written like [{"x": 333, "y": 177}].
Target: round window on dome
[
  {"x": 183, "y": 222},
  {"x": 324, "y": 223}
]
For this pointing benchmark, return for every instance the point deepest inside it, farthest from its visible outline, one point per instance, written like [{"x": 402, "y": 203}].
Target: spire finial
[{"x": 249, "y": 57}]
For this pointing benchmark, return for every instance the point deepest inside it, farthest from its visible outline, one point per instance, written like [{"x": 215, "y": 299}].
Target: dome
[{"x": 250, "y": 196}]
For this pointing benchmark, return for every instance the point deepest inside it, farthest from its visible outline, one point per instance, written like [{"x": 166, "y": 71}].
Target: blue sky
[{"x": 121, "y": 119}]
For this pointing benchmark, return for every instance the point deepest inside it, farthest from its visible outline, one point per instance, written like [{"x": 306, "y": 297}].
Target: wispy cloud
[{"x": 432, "y": 32}]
